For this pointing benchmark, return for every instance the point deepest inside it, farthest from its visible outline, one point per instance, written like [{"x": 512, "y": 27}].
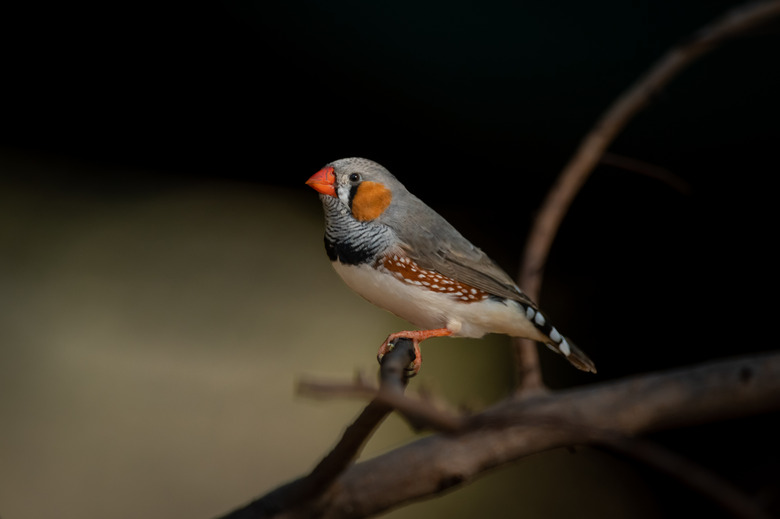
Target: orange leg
[{"x": 417, "y": 337}]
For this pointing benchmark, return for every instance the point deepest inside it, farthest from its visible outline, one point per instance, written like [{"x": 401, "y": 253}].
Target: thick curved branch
[
  {"x": 516, "y": 428},
  {"x": 596, "y": 142}
]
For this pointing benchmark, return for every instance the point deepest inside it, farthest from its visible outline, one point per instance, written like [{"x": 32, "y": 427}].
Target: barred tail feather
[
  {"x": 573, "y": 354},
  {"x": 558, "y": 343}
]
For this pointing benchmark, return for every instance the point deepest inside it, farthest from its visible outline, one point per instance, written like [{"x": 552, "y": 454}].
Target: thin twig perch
[{"x": 288, "y": 497}]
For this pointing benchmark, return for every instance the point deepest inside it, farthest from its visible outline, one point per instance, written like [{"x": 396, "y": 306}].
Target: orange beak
[{"x": 323, "y": 181}]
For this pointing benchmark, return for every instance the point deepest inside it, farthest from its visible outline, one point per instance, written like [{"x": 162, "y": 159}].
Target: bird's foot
[{"x": 416, "y": 336}]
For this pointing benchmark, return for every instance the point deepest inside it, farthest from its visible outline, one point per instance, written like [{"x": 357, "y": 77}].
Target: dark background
[{"x": 475, "y": 107}]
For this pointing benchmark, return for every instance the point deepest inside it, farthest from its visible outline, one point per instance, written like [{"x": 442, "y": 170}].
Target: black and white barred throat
[{"x": 351, "y": 241}]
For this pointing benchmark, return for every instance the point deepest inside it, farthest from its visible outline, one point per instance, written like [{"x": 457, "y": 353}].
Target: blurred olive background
[{"x": 163, "y": 284}]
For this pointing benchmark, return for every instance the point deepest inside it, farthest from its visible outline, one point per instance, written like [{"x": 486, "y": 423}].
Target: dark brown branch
[
  {"x": 596, "y": 142},
  {"x": 287, "y": 498},
  {"x": 675, "y": 466},
  {"x": 425, "y": 415},
  {"x": 519, "y": 427},
  {"x": 509, "y": 431}
]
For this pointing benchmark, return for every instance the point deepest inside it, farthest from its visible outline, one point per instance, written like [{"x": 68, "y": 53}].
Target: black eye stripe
[{"x": 352, "y": 192}]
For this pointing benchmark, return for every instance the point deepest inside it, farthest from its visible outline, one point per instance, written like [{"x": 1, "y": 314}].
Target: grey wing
[{"x": 450, "y": 254}]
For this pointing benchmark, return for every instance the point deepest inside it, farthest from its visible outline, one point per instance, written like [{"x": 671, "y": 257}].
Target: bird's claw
[{"x": 414, "y": 366}]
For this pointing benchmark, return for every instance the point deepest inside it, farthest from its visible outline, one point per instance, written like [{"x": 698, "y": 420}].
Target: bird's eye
[{"x": 354, "y": 177}]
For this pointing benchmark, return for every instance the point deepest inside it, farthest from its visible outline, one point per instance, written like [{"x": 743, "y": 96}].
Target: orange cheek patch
[{"x": 370, "y": 201}]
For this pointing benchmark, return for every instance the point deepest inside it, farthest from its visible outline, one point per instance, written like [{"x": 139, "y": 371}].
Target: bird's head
[{"x": 363, "y": 187}]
